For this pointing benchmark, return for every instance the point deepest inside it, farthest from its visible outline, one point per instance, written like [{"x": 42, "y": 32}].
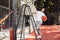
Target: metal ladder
[{"x": 23, "y": 21}]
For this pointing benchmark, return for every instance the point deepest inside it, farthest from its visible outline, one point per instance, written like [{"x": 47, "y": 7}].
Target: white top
[{"x": 39, "y": 15}]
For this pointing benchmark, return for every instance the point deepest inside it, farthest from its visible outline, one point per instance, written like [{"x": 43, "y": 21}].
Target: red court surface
[{"x": 48, "y": 32}]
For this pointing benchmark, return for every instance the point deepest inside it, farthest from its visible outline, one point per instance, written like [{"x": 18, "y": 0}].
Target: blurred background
[{"x": 52, "y": 10}]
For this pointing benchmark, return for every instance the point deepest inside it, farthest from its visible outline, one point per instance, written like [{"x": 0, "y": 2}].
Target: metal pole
[
  {"x": 9, "y": 12},
  {"x": 29, "y": 19},
  {"x": 14, "y": 18}
]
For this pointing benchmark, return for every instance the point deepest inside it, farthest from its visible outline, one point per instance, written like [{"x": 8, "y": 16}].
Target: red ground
[{"x": 51, "y": 32}]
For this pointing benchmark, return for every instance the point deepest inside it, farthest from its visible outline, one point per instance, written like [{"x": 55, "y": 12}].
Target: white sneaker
[{"x": 39, "y": 36}]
